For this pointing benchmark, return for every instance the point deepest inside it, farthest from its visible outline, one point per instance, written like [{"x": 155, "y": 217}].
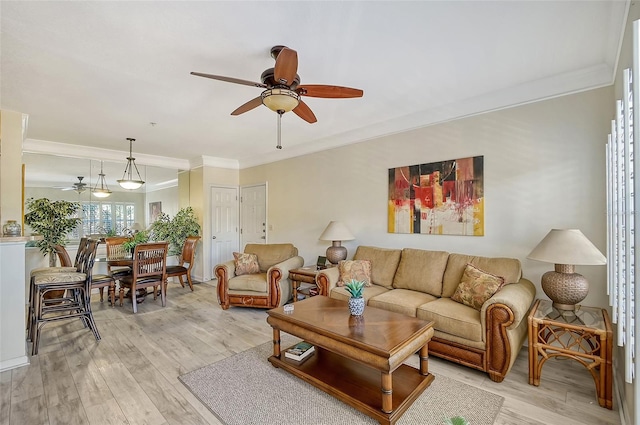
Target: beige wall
[
  {"x": 543, "y": 167},
  {"x": 170, "y": 201},
  {"x": 11, "y": 133}
]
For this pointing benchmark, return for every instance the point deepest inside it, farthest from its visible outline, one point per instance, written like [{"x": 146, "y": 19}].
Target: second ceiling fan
[{"x": 283, "y": 91}]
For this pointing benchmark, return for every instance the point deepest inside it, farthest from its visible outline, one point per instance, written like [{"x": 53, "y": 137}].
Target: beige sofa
[{"x": 420, "y": 283}]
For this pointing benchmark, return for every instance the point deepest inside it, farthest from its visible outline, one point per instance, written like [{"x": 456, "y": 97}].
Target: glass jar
[{"x": 11, "y": 228}]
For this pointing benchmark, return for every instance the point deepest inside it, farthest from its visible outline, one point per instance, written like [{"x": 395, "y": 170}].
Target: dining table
[{"x": 125, "y": 262}]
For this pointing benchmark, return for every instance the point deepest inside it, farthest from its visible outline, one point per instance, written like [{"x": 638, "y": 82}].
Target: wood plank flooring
[{"x": 131, "y": 375}]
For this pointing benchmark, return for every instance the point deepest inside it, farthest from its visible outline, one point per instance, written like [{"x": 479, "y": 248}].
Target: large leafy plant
[
  {"x": 53, "y": 221},
  {"x": 176, "y": 230}
]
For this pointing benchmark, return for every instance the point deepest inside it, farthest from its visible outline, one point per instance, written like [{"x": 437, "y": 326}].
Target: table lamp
[
  {"x": 336, "y": 232},
  {"x": 566, "y": 248}
]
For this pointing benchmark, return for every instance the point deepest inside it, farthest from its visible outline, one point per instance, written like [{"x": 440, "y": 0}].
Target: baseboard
[{"x": 625, "y": 417}]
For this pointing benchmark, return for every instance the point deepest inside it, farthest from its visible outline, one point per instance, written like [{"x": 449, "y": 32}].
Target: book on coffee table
[{"x": 300, "y": 351}]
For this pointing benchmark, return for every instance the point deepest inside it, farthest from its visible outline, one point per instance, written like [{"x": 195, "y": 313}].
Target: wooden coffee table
[{"x": 357, "y": 360}]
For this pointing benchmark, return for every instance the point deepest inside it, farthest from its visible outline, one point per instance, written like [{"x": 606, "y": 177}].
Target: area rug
[{"x": 247, "y": 389}]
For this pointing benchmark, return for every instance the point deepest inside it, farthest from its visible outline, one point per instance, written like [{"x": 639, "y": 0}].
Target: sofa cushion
[
  {"x": 507, "y": 268},
  {"x": 271, "y": 254},
  {"x": 476, "y": 287},
  {"x": 452, "y": 318},
  {"x": 340, "y": 293},
  {"x": 401, "y": 301},
  {"x": 256, "y": 282},
  {"x": 355, "y": 270},
  {"x": 245, "y": 263},
  {"x": 384, "y": 263},
  {"x": 421, "y": 270}
]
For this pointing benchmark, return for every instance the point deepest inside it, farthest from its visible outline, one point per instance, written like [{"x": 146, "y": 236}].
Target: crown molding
[{"x": 90, "y": 152}]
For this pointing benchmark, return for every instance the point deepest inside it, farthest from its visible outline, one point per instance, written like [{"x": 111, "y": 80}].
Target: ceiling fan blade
[
  {"x": 253, "y": 103},
  {"x": 230, "y": 79},
  {"x": 319, "y": 90},
  {"x": 286, "y": 66},
  {"x": 304, "y": 112}
]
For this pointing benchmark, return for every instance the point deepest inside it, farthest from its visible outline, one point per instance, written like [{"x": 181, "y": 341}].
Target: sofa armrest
[
  {"x": 517, "y": 297},
  {"x": 327, "y": 279},
  {"x": 504, "y": 326},
  {"x": 278, "y": 280},
  {"x": 223, "y": 273},
  {"x": 283, "y": 267}
]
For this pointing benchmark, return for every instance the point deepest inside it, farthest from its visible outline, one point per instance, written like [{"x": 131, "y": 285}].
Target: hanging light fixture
[
  {"x": 127, "y": 181},
  {"x": 102, "y": 191}
]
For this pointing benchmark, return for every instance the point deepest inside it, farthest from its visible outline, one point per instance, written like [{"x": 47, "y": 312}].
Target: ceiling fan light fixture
[
  {"x": 280, "y": 99},
  {"x": 102, "y": 191},
  {"x": 79, "y": 187},
  {"x": 128, "y": 181}
]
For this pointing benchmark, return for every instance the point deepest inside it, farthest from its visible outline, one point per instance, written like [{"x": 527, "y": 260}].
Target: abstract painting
[{"x": 438, "y": 198}]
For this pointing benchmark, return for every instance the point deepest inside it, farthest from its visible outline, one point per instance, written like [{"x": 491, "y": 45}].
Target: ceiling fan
[
  {"x": 78, "y": 186},
  {"x": 283, "y": 91}
]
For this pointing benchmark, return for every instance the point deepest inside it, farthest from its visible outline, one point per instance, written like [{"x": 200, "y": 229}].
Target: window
[
  {"x": 105, "y": 217},
  {"x": 621, "y": 183}
]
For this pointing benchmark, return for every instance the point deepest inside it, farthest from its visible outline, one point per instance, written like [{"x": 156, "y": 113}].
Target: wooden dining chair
[
  {"x": 116, "y": 251},
  {"x": 188, "y": 256},
  {"x": 149, "y": 269}
]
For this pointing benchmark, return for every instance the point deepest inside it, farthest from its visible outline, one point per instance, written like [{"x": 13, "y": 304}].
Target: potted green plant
[
  {"x": 456, "y": 420},
  {"x": 356, "y": 302},
  {"x": 135, "y": 239},
  {"x": 176, "y": 230},
  {"x": 53, "y": 221}
]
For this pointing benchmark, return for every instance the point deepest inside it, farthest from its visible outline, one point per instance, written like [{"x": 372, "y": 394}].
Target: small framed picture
[{"x": 322, "y": 263}]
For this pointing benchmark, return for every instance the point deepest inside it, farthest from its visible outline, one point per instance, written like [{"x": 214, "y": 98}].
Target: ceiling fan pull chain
[{"x": 280, "y": 113}]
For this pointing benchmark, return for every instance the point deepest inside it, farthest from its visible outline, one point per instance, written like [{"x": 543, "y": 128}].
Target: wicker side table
[
  {"x": 584, "y": 335},
  {"x": 306, "y": 274}
]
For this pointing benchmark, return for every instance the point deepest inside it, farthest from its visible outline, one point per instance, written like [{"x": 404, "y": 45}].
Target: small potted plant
[
  {"x": 135, "y": 239},
  {"x": 356, "y": 302},
  {"x": 456, "y": 420}
]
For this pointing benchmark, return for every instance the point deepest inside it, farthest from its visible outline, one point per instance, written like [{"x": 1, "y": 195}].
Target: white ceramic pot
[{"x": 356, "y": 306}]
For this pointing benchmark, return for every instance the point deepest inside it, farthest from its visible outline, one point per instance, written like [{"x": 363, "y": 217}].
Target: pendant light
[
  {"x": 102, "y": 191},
  {"x": 127, "y": 181}
]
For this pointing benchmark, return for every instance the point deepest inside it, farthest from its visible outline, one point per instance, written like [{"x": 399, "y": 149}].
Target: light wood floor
[{"x": 131, "y": 375}]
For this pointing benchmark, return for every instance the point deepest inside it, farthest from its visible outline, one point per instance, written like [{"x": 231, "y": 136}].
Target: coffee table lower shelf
[{"x": 356, "y": 384}]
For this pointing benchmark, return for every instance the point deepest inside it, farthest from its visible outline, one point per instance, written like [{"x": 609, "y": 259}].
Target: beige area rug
[{"x": 247, "y": 389}]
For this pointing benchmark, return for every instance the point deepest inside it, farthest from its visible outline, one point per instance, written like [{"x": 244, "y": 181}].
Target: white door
[
  {"x": 253, "y": 214},
  {"x": 224, "y": 224}
]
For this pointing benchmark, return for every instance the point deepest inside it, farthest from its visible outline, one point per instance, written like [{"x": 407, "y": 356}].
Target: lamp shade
[
  {"x": 336, "y": 231},
  {"x": 137, "y": 227},
  {"x": 567, "y": 246}
]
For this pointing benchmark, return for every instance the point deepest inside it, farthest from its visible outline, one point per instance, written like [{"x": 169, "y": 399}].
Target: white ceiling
[{"x": 95, "y": 73}]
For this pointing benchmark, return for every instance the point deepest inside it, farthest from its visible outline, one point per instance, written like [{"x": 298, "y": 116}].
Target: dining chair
[
  {"x": 116, "y": 251},
  {"x": 75, "y": 301},
  {"x": 65, "y": 267},
  {"x": 188, "y": 256},
  {"x": 149, "y": 269}
]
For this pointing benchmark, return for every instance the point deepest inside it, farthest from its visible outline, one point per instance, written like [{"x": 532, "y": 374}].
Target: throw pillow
[
  {"x": 355, "y": 269},
  {"x": 246, "y": 263},
  {"x": 476, "y": 287}
]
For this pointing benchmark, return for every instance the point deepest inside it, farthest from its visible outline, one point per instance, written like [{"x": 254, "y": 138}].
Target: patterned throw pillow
[
  {"x": 246, "y": 263},
  {"x": 476, "y": 287},
  {"x": 355, "y": 269}
]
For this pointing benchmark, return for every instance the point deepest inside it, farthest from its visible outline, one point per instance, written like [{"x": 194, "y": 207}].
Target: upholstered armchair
[{"x": 266, "y": 285}]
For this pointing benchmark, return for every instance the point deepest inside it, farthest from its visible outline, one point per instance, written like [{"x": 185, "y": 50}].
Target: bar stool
[{"x": 75, "y": 301}]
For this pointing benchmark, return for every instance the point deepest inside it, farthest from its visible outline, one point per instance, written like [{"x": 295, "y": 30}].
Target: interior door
[
  {"x": 224, "y": 224},
  {"x": 253, "y": 214}
]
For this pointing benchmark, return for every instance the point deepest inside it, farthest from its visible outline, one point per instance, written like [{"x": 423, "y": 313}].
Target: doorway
[
  {"x": 253, "y": 214},
  {"x": 224, "y": 224}
]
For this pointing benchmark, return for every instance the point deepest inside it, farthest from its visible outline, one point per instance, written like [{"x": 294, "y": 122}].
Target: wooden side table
[
  {"x": 306, "y": 274},
  {"x": 584, "y": 335}
]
